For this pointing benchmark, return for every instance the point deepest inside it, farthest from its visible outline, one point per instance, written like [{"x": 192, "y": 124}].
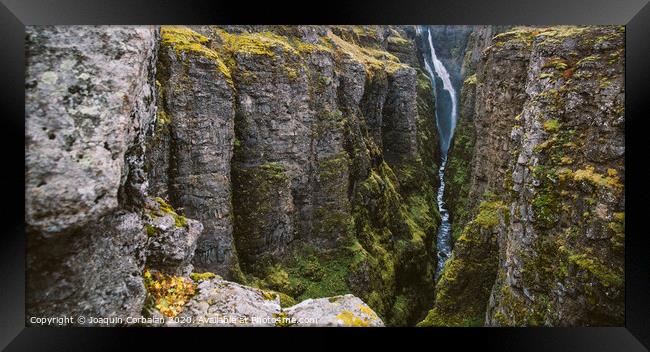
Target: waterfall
[{"x": 446, "y": 123}]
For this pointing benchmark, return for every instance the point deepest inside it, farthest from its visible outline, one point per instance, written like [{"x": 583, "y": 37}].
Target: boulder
[{"x": 347, "y": 310}]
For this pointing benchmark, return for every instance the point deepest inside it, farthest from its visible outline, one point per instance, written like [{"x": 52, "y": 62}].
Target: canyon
[{"x": 309, "y": 173}]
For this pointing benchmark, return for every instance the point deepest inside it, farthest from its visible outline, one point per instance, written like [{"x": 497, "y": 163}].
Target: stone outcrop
[
  {"x": 347, "y": 311},
  {"x": 172, "y": 238},
  {"x": 90, "y": 99},
  {"x": 63, "y": 277},
  {"x": 223, "y": 303}
]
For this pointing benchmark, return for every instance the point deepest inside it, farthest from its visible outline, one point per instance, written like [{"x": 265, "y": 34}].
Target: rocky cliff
[
  {"x": 536, "y": 173},
  {"x": 287, "y": 175},
  {"x": 294, "y": 159}
]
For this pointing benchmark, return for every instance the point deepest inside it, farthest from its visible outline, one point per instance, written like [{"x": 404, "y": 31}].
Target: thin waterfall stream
[{"x": 446, "y": 123}]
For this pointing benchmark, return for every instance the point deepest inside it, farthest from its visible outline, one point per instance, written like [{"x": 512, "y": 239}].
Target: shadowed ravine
[{"x": 446, "y": 122}]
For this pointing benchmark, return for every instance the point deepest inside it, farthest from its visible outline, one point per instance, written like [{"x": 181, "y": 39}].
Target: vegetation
[{"x": 168, "y": 293}]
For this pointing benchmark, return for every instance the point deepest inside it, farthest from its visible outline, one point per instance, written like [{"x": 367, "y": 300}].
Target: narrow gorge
[{"x": 325, "y": 175}]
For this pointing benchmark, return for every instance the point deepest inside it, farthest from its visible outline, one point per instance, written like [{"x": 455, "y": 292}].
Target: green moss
[
  {"x": 258, "y": 43},
  {"x": 617, "y": 227},
  {"x": 165, "y": 208},
  {"x": 545, "y": 209},
  {"x": 397, "y": 40},
  {"x": 551, "y": 125},
  {"x": 162, "y": 117},
  {"x": 286, "y": 300},
  {"x": 202, "y": 276},
  {"x": 489, "y": 213},
  {"x": 269, "y": 296},
  {"x": 323, "y": 276},
  {"x": 589, "y": 174},
  {"x": 586, "y": 59},
  {"x": 150, "y": 229},
  {"x": 464, "y": 286},
  {"x": 372, "y": 59},
  {"x": 312, "y": 269},
  {"x": 606, "y": 276},
  {"x": 556, "y": 63},
  {"x": 546, "y": 75},
  {"x": 274, "y": 170},
  {"x": 291, "y": 73},
  {"x": 400, "y": 313},
  {"x": 558, "y": 34},
  {"x": 519, "y": 35},
  {"x": 277, "y": 279}
]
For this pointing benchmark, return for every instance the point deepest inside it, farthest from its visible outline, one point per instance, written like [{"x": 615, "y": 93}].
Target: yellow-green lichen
[
  {"x": 269, "y": 296},
  {"x": 606, "y": 276},
  {"x": 259, "y": 43},
  {"x": 489, "y": 213},
  {"x": 349, "y": 319},
  {"x": 372, "y": 59},
  {"x": 169, "y": 293},
  {"x": 150, "y": 229},
  {"x": 179, "y": 220},
  {"x": 183, "y": 39},
  {"x": 589, "y": 174},
  {"x": 283, "y": 320},
  {"x": 471, "y": 80},
  {"x": 551, "y": 125}
]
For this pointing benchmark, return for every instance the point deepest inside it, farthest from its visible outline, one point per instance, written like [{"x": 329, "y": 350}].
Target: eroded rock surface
[{"x": 89, "y": 97}]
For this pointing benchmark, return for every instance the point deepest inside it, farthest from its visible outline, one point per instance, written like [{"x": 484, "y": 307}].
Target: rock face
[
  {"x": 191, "y": 146},
  {"x": 62, "y": 277},
  {"x": 561, "y": 257},
  {"x": 172, "y": 239},
  {"x": 89, "y": 96},
  {"x": 547, "y": 157},
  {"x": 322, "y": 117},
  {"x": 224, "y": 303}
]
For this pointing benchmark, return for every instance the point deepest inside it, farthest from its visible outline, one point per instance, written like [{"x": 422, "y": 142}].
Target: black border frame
[{"x": 635, "y": 14}]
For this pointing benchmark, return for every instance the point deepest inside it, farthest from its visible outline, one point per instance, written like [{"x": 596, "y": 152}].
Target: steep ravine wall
[
  {"x": 299, "y": 160},
  {"x": 540, "y": 224}
]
